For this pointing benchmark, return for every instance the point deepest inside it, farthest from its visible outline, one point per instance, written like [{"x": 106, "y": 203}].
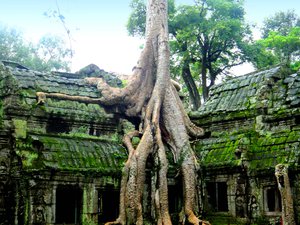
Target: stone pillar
[
  {"x": 51, "y": 219},
  {"x": 90, "y": 204},
  {"x": 40, "y": 200}
]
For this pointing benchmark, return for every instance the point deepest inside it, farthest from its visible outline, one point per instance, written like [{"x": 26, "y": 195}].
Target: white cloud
[{"x": 116, "y": 53}]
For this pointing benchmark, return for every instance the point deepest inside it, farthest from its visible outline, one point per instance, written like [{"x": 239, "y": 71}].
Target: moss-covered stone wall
[
  {"x": 59, "y": 144},
  {"x": 252, "y": 124}
]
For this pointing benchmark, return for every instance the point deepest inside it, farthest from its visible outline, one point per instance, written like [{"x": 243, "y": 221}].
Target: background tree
[
  {"x": 215, "y": 34},
  {"x": 59, "y": 17},
  {"x": 48, "y": 54},
  {"x": 280, "y": 42},
  {"x": 53, "y": 53},
  {"x": 281, "y": 22},
  {"x": 286, "y": 47},
  {"x": 208, "y": 38},
  {"x": 12, "y": 45},
  {"x": 136, "y": 24}
]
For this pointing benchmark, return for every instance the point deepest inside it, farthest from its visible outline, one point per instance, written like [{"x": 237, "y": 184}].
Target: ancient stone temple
[
  {"x": 253, "y": 125},
  {"x": 60, "y": 162}
]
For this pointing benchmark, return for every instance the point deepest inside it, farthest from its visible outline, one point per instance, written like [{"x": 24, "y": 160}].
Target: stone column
[{"x": 90, "y": 204}]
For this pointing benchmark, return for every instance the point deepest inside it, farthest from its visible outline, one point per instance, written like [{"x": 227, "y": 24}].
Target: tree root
[
  {"x": 42, "y": 96},
  {"x": 191, "y": 218},
  {"x": 191, "y": 128},
  {"x": 133, "y": 179}
]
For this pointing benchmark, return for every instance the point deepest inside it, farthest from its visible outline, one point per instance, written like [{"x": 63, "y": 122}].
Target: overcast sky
[{"x": 98, "y": 26}]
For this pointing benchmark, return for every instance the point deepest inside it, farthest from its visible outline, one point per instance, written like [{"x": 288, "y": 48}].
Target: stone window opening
[
  {"x": 217, "y": 196},
  {"x": 68, "y": 204},
  {"x": 108, "y": 204},
  {"x": 91, "y": 130},
  {"x": 272, "y": 200},
  {"x": 57, "y": 125},
  {"x": 297, "y": 120}
]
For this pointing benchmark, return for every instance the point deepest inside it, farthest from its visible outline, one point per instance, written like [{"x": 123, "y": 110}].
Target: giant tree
[
  {"x": 208, "y": 37},
  {"x": 164, "y": 126},
  {"x": 287, "y": 202}
]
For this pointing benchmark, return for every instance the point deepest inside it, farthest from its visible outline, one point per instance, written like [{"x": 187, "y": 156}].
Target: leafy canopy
[
  {"x": 281, "y": 22},
  {"x": 50, "y": 53},
  {"x": 286, "y": 47},
  {"x": 280, "y": 43}
]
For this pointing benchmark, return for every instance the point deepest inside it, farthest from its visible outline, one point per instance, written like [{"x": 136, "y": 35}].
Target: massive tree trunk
[
  {"x": 160, "y": 110},
  {"x": 151, "y": 96}
]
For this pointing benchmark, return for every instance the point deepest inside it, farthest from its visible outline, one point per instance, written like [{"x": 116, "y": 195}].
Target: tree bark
[
  {"x": 204, "y": 66},
  {"x": 283, "y": 182},
  {"x": 191, "y": 86},
  {"x": 204, "y": 78}
]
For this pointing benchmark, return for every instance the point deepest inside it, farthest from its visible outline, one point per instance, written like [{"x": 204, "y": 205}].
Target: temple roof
[
  {"x": 246, "y": 93},
  {"x": 251, "y": 119},
  {"x": 73, "y": 135},
  {"x": 260, "y": 152},
  {"x": 71, "y": 154},
  {"x": 21, "y": 85}
]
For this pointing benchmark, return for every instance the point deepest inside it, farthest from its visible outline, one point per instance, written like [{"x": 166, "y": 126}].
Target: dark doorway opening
[
  {"x": 108, "y": 205},
  {"x": 217, "y": 196},
  {"x": 272, "y": 199},
  {"x": 175, "y": 198},
  {"x": 68, "y": 205},
  {"x": 175, "y": 201}
]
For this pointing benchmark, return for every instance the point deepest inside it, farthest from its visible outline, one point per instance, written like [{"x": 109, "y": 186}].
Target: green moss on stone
[
  {"x": 220, "y": 153},
  {"x": 224, "y": 219},
  {"x": 27, "y": 93},
  {"x": 20, "y": 127},
  {"x": 115, "y": 137},
  {"x": 1, "y": 113},
  {"x": 75, "y": 110},
  {"x": 27, "y": 157},
  {"x": 262, "y": 150},
  {"x": 30, "y": 157},
  {"x": 83, "y": 155},
  {"x": 8, "y": 83}
]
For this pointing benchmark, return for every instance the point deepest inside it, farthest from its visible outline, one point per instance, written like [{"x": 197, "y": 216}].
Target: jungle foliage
[
  {"x": 280, "y": 41},
  {"x": 50, "y": 53}
]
